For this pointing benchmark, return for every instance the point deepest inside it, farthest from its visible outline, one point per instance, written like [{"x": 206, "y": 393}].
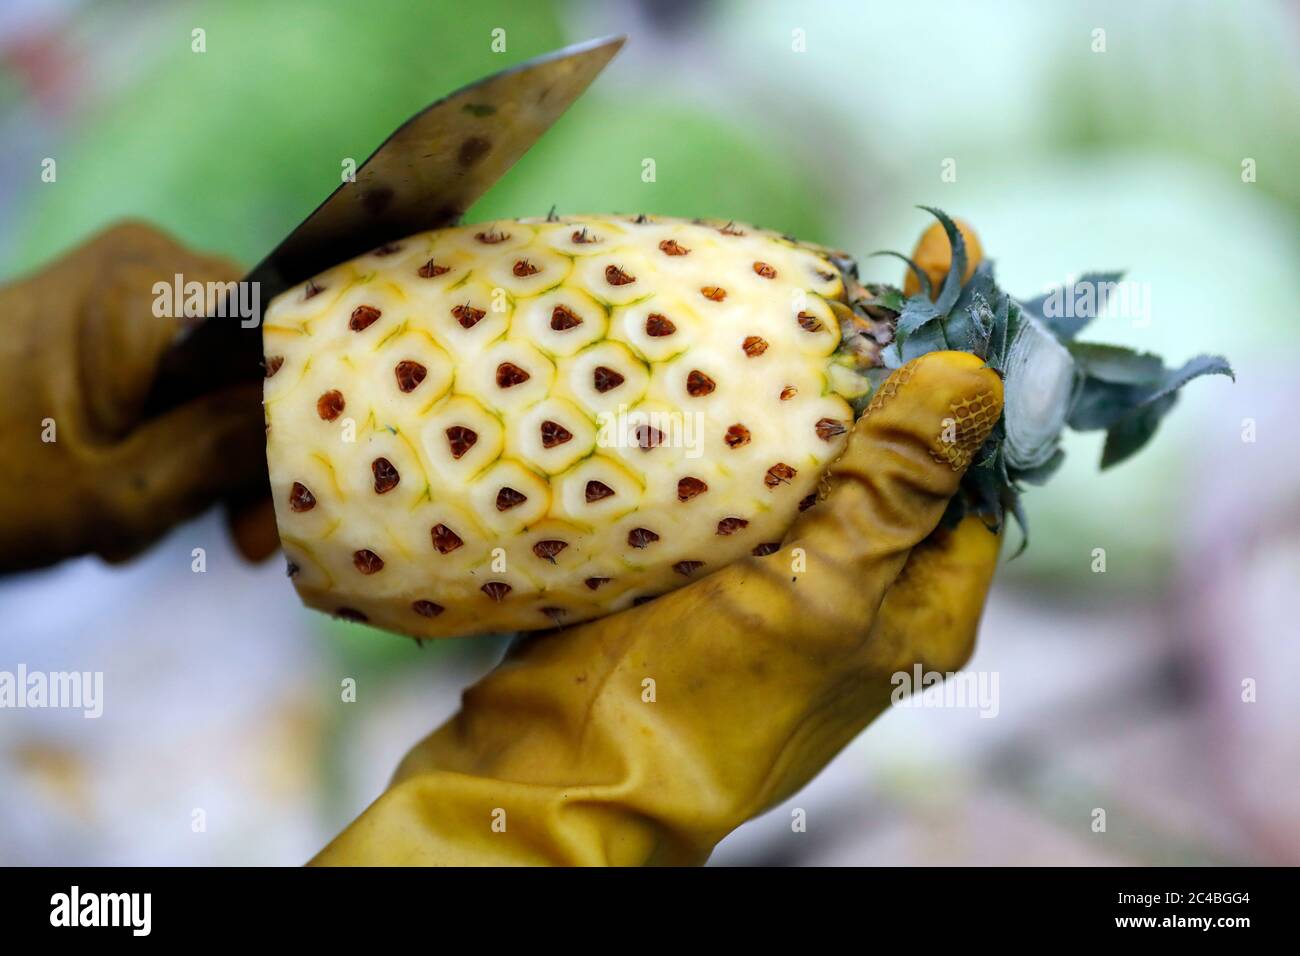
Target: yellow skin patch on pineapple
[{"x": 533, "y": 422}]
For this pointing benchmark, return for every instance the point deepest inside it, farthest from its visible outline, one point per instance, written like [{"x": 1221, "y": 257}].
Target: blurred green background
[{"x": 1084, "y": 135}]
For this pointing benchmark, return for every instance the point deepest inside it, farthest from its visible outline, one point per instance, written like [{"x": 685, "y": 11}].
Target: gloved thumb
[
  {"x": 172, "y": 467},
  {"x": 904, "y": 461}
]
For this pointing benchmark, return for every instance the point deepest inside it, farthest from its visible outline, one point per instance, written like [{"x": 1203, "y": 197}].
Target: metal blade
[
  {"x": 424, "y": 176},
  {"x": 438, "y": 163}
]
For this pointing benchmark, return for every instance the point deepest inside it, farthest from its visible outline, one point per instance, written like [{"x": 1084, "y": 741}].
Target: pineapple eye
[
  {"x": 496, "y": 590},
  {"x": 491, "y": 237},
  {"x": 426, "y": 608},
  {"x": 687, "y": 568},
  {"x": 808, "y": 501},
  {"x": 736, "y": 436},
  {"x": 788, "y": 393},
  {"x": 648, "y": 437},
  {"x": 509, "y": 375},
  {"x": 604, "y": 379},
  {"x": 508, "y": 498},
  {"x": 523, "y": 269},
  {"x": 386, "y": 476},
  {"x": 594, "y": 583},
  {"x": 460, "y": 439},
  {"x": 467, "y": 315},
  {"x": 409, "y": 375},
  {"x": 754, "y": 346},
  {"x": 363, "y": 317},
  {"x": 699, "y": 384},
  {"x": 272, "y": 364},
  {"x": 828, "y": 428},
  {"x": 690, "y": 487},
  {"x": 556, "y": 614},
  {"x": 547, "y": 550},
  {"x": 553, "y": 433},
  {"x": 367, "y": 562},
  {"x": 763, "y": 550},
  {"x": 616, "y": 276},
  {"x": 764, "y": 271},
  {"x": 597, "y": 490},
  {"x": 714, "y": 293},
  {"x": 301, "y": 498},
  {"x": 445, "y": 540},
  {"x": 431, "y": 270},
  {"x": 670, "y": 247},
  {"x": 330, "y": 405},
  {"x": 563, "y": 319},
  {"x": 657, "y": 326},
  {"x": 731, "y": 525},
  {"x": 641, "y": 538},
  {"x": 809, "y": 322},
  {"x": 779, "y": 474}
]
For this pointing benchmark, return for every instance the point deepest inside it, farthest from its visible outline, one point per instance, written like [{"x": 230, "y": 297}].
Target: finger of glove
[
  {"x": 252, "y": 526},
  {"x": 931, "y": 613},
  {"x": 130, "y": 314},
  {"x": 903, "y": 462},
  {"x": 174, "y": 466}
]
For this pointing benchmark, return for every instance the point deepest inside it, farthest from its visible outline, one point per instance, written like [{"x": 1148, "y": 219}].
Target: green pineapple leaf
[
  {"x": 1127, "y": 436},
  {"x": 1011, "y": 502},
  {"x": 929, "y": 337},
  {"x": 1120, "y": 381},
  {"x": 916, "y": 270},
  {"x": 1113, "y": 363},
  {"x": 952, "y": 282},
  {"x": 1119, "y": 390},
  {"x": 1041, "y": 474},
  {"x": 918, "y": 311},
  {"x": 1174, "y": 379},
  {"x": 1100, "y": 404}
]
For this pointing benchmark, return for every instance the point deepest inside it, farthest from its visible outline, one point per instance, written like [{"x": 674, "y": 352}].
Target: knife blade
[{"x": 425, "y": 175}]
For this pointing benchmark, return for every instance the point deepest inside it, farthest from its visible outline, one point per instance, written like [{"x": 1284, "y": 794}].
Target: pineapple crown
[{"x": 1051, "y": 380}]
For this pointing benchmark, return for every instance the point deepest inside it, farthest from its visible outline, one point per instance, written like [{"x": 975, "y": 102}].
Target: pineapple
[{"x": 527, "y": 424}]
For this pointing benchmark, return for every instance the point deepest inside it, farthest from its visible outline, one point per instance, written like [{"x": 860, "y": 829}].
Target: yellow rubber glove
[
  {"x": 78, "y": 352},
  {"x": 645, "y": 737}
]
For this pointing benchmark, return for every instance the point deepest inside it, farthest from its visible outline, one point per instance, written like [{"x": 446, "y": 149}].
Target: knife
[{"x": 423, "y": 176}]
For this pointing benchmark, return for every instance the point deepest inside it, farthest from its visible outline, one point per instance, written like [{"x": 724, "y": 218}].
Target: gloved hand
[
  {"x": 78, "y": 353},
  {"x": 761, "y": 672}
]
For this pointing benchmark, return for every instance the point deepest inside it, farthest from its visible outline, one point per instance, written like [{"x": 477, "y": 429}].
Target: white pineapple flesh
[{"x": 530, "y": 423}]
